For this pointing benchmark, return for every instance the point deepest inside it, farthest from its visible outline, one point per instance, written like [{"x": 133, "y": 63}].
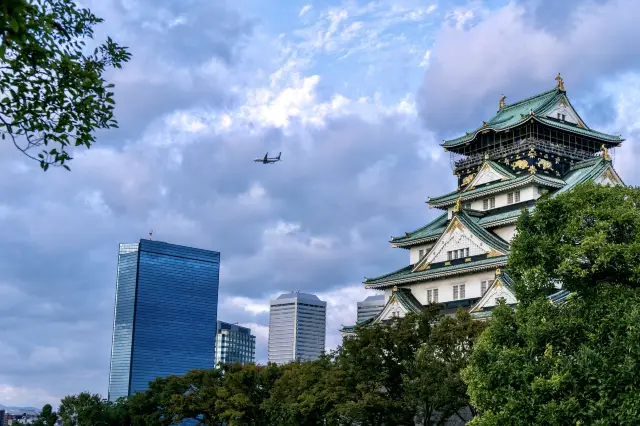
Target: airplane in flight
[{"x": 267, "y": 160}]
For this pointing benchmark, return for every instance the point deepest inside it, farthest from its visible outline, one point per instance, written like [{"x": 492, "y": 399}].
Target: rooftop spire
[
  {"x": 560, "y": 84},
  {"x": 502, "y": 98}
]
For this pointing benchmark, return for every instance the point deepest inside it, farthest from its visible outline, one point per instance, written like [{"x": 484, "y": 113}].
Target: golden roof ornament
[
  {"x": 560, "y": 85},
  {"x": 486, "y": 155},
  {"x": 484, "y": 124},
  {"x": 605, "y": 153},
  {"x": 458, "y": 206},
  {"x": 395, "y": 288},
  {"x": 498, "y": 272},
  {"x": 502, "y": 101}
]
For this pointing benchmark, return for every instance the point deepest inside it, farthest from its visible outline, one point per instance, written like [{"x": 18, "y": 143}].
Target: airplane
[{"x": 267, "y": 160}]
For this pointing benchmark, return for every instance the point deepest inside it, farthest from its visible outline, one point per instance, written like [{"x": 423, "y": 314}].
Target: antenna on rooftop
[{"x": 150, "y": 234}]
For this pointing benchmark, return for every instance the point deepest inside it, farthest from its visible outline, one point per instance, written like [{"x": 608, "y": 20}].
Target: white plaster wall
[
  {"x": 445, "y": 286},
  {"x": 527, "y": 193},
  {"x": 454, "y": 241},
  {"x": 505, "y": 232},
  {"x": 414, "y": 252}
]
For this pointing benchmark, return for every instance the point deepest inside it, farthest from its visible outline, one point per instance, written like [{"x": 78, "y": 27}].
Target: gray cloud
[{"x": 513, "y": 51}]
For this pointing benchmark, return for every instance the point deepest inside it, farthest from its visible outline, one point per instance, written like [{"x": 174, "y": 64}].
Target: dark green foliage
[
  {"x": 582, "y": 238},
  {"x": 47, "y": 417},
  {"x": 53, "y": 92},
  {"x": 573, "y": 363},
  {"x": 86, "y": 409},
  {"x": 570, "y": 364}
]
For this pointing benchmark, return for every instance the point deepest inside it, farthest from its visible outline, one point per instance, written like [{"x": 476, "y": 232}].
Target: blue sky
[{"x": 357, "y": 95}]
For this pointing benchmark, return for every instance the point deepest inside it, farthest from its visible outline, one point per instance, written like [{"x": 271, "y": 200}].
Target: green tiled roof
[
  {"x": 450, "y": 198},
  {"x": 404, "y": 296},
  {"x": 404, "y": 275},
  {"x": 485, "y": 236},
  {"x": 500, "y": 168},
  {"x": 431, "y": 230},
  {"x": 515, "y": 114},
  {"x": 505, "y": 216},
  {"x": 582, "y": 172}
]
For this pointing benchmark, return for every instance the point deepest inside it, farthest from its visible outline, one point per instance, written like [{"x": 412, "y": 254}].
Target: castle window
[
  {"x": 492, "y": 202},
  {"x": 449, "y": 255},
  {"x": 432, "y": 295},
  {"x": 458, "y": 292},
  {"x": 467, "y": 205},
  {"x": 510, "y": 198},
  {"x": 420, "y": 254},
  {"x": 466, "y": 252},
  {"x": 517, "y": 195},
  {"x": 483, "y": 287},
  {"x": 485, "y": 204}
]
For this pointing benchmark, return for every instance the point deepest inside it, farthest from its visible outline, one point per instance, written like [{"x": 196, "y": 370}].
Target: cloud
[{"x": 509, "y": 52}]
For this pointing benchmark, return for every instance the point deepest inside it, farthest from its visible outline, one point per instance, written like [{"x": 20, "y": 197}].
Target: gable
[
  {"x": 564, "y": 108},
  {"x": 487, "y": 174},
  {"x": 457, "y": 236},
  {"x": 498, "y": 289},
  {"x": 609, "y": 177}
]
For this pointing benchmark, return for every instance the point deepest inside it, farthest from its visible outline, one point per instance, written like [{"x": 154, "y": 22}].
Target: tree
[
  {"x": 47, "y": 417},
  {"x": 306, "y": 393},
  {"x": 373, "y": 368},
  {"x": 53, "y": 92},
  {"x": 434, "y": 386},
  {"x": 579, "y": 239},
  {"x": 86, "y": 409},
  {"x": 575, "y": 362}
]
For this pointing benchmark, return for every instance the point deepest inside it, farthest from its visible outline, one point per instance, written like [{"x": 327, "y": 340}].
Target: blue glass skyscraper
[{"x": 165, "y": 314}]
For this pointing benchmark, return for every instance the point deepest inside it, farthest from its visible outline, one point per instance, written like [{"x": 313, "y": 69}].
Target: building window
[
  {"x": 420, "y": 254},
  {"x": 449, "y": 255},
  {"x": 466, "y": 205},
  {"x": 485, "y": 204},
  {"x": 510, "y": 198},
  {"x": 466, "y": 252},
  {"x": 458, "y": 292},
  {"x": 492, "y": 202},
  {"x": 516, "y": 195},
  {"x": 432, "y": 295},
  {"x": 455, "y": 254},
  {"x": 483, "y": 287}
]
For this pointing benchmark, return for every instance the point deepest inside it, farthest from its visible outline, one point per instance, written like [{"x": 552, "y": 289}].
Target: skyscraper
[
  {"x": 370, "y": 307},
  {"x": 165, "y": 313},
  {"x": 234, "y": 344},
  {"x": 297, "y": 327}
]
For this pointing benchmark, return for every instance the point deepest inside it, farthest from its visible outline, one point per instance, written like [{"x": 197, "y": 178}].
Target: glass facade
[
  {"x": 234, "y": 344},
  {"x": 165, "y": 313}
]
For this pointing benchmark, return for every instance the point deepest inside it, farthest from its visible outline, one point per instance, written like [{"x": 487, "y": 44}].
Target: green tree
[
  {"x": 242, "y": 392},
  {"x": 576, "y": 362},
  {"x": 47, "y": 417},
  {"x": 86, "y": 409},
  {"x": 582, "y": 238},
  {"x": 434, "y": 386},
  {"x": 307, "y": 393},
  {"x": 374, "y": 368},
  {"x": 53, "y": 92}
]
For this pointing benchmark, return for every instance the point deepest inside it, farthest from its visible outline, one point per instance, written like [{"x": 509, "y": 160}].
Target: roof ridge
[
  {"x": 423, "y": 228},
  {"x": 482, "y": 233},
  {"x": 530, "y": 98}
]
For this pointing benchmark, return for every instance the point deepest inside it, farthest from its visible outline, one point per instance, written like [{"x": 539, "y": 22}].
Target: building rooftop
[
  {"x": 374, "y": 299},
  {"x": 300, "y": 297}
]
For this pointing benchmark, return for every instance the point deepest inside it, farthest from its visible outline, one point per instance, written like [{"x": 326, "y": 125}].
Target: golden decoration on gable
[
  {"x": 532, "y": 153},
  {"x": 406, "y": 234},
  {"x": 484, "y": 124},
  {"x": 506, "y": 161},
  {"x": 494, "y": 253},
  {"x": 468, "y": 179},
  {"x": 447, "y": 263},
  {"x": 605, "y": 153},
  {"x": 468, "y": 259},
  {"x": 563, "y": 101},
  {"x": 498, "y": 283},
  {"x": 545, "y": 164},
  {"x": 395, "y": 288},
  {"x": 498, "y": 272},
  {"x": 560, "y": 84},
  {"x": 520, "y": 164},
  {"x": 502, "y": 98},
  {"x": 532, "y": 170},
  {"x": 458, "y": 205},
  {"x": 608, "y": 174}
]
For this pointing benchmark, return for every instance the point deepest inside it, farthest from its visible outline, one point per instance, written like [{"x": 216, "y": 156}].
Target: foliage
[
  {"x": 570, "y": 364},
  {"x": 434, "y": 385},
  {"x": 86, "y": 409},
  {"x": 580, "y": 239},
  {"x": 47, "y": 417},
  {"x": 54, "y": 95}
]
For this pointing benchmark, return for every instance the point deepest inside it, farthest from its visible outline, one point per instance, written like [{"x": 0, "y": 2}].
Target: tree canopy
[
  {"x": 53, "y": 91},
  {"x": 574, "y": 362}
]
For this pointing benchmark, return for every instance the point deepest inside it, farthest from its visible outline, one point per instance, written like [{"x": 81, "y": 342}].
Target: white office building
[{"x": 297, "y": 328}]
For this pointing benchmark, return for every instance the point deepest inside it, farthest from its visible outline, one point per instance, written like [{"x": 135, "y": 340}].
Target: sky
[{"x": 356, "y": 95}]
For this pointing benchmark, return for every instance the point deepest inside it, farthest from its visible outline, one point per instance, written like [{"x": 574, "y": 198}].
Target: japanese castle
[{"x": 529, "y": 148}]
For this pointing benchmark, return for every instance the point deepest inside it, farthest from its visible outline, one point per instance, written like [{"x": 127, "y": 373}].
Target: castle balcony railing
[{"x": 519, "y": 147}]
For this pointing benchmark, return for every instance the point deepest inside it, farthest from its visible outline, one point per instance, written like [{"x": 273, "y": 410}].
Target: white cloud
[{"x": 305, "y": 9}]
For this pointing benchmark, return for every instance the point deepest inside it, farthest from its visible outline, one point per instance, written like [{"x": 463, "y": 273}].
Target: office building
[
  {"x": 297, "y": 328},
  {"x": 234, "y": 344},
  {"x": 370, "y": 307},
  {"x": 165, "y": 314}
]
